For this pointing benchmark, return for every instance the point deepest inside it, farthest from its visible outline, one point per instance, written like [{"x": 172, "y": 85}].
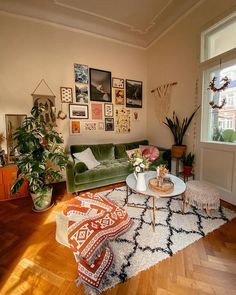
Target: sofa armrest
[{"x": 70, "y": 176}]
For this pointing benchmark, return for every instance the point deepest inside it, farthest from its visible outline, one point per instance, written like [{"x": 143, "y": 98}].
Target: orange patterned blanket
[{"x": 93, "y": 221}]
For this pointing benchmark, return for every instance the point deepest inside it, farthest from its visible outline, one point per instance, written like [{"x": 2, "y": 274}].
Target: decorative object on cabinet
[
  {"x": 134, "y": 94},
  {"x": 8, "y": 175},
  {"x": 119, "y": 95},
  {"x": 48, "y": 101},
  {"x": 109, "y": 124},
  {"x": 178, "y": 130},
  {"x": 163, "y": 96},
  {"x": 100, "y": 85},
  {"x": 108, "y": 110},
  {"x": 13, "y": 121},
  {"x": 74, "y": 127},
  {"x": 96, "y": 111},
  {"x": 66, "y": 94},
  {"x": 122, "y": 120},
  {"x": 81, "y": 73},
  {"x": 118, "y": 83},
  {"x": 41, "y": 158},
  {"x": 78, "y": 111}
]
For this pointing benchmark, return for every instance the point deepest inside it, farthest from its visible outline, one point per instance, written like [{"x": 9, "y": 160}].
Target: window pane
[
  {"x": 219, "y": 39},
  {"x": 219, "y": 124}
]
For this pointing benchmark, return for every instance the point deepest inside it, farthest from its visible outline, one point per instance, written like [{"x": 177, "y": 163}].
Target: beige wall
[
  {"x": 32, "y": 50},
  {"x": 175, "y": 57}
]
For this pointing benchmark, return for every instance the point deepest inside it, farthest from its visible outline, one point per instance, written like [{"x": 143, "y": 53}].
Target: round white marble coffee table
[{"x": 179, "y": 189}]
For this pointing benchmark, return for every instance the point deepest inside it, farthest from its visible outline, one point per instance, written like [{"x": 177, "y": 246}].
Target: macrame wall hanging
[{"x": 163, "y": 96}]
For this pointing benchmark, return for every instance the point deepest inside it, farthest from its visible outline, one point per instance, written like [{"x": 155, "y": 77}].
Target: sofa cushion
[
  {"x": 100, "y": 151},
  {"x": 80, "y": 166},
  {"x": 120, "y": 149},
  {"x": 88, "y": 158},
  {"x": 107, "y": 169}
]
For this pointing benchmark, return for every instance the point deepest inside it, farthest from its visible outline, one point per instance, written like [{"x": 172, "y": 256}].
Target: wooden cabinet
[{"x": 7, "y": 178}]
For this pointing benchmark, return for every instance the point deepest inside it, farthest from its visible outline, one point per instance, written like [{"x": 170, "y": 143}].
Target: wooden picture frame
[
  {"x": 118, "y": 83},
  {"x": 100, "y": 85},
  {"x": 66, "y": 94},
  {"x": 78, "y": 111},
  {"x": 108, "y": 110}
]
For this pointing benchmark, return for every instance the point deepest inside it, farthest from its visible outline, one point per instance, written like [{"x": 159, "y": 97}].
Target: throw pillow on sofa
[
  {"x": 130, "y": 153},
  {"x": 150, "y": 151},
  {"x": 88, "y": 158}
]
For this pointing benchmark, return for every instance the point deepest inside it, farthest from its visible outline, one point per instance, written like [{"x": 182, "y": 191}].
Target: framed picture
[
  {"x": 118, "y": 83},
  {"x": 66, "y": 94},
  {"x": 74, "y": 127},
  {"x": 108, "y": 110},
  {"x": 81, "y": 73},
  {"x": 100, "y": 85},
  {"x": 96, "y": 110},
  {"x": 78, "y": 111},
  {"x": 81, "y": 93},
  {"x": 109, "y": 124},
  {"x": 122, "y": 121},
  {"x": 134, "y": 94},
  {"x": 100, "y": 125},
  {"x": 90, "y": 126},
  {"x": 119, "y": 95}
]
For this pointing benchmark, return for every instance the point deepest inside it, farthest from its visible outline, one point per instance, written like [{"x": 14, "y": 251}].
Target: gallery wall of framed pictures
[{"x": 101, "y": 102}]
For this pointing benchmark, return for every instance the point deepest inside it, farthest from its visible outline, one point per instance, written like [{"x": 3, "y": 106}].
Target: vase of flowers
[{"x": 140, "y": 164}]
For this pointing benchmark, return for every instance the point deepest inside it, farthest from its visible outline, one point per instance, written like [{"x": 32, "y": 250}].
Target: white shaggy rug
[{"x": 141, "y": 247}]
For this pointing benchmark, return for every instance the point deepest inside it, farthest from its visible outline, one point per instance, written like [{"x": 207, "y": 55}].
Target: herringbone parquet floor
[{"x": 32, "y": 262}]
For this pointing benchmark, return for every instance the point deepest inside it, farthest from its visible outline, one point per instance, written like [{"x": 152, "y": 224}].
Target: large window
[{"x": 219, "y": 118}]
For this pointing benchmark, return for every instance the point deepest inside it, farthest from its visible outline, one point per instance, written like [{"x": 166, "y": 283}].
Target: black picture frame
[
  {"x": 100, "y": 85},
  {"x": 134, "y": 93},
  {"x": 78, "y": 111},
  {"x": 109, "y": 124}
]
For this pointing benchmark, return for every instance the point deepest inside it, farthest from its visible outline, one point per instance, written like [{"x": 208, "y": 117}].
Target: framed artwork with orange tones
[
  {"x": 96, "y": 110},
  {"x": 74, "y": 127}
]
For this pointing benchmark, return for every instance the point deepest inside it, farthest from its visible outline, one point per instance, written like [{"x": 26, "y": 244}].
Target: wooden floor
[{"x": 32, "y": 262}]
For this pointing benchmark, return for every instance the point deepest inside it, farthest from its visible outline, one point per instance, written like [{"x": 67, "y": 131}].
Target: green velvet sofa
[{"x": 114, "y": 165}]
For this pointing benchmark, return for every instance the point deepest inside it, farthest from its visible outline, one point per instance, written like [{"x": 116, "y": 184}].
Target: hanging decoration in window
[
  {"x": 212, "y": 86},
  {"x": 216, "y": 106}
]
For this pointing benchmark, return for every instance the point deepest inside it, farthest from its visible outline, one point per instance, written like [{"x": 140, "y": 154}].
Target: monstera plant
[{"x": 41, "y": 157}]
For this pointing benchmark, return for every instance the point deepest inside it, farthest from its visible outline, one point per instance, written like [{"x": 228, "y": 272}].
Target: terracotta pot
[
  {"x": 178, "y": 151},
  {"x": 187, "y": 170}
]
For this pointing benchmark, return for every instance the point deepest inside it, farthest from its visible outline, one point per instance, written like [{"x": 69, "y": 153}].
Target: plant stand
[{"x": 186, "y": 177}]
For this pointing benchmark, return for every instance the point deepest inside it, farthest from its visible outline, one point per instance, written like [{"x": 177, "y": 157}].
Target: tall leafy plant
[
  {"x": 178, "y": 128},
  {"x": 42, "y": 157}
]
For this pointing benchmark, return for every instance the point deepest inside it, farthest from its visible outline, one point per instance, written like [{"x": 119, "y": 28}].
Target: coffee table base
[{"x": 153, "y": 208}]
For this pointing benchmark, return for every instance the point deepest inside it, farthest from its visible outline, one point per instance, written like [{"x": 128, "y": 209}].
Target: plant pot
[
  {"x": 187, "y": 170},
  {"x": 178, "y": 151},
  {"x": 42, "y": 201}
]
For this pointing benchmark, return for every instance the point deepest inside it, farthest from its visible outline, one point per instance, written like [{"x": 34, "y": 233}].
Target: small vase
[{"x": 141, "y": 183}]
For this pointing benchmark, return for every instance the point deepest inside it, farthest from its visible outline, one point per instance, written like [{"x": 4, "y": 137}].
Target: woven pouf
[{"x": 202, "y": 195}]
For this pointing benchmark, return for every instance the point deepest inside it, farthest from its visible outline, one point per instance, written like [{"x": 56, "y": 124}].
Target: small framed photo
[
  {"x": 96, "y": 111},
  {"x": 100, "y": 125},
  {"x": 81, "y": 73},
  {"x": 134, "y": 94},
  {"x": 109, "y": 124},
  {"x": 90, "y": 126},
  {"x": 100, "y": 85},
  {"x": 66, "y": 94},
  {"x": 81, "y": 93},
  {"x": 119, "y": 95},
  {"x": 118, "y": 83},
  {"x": 74, "y": 127},
  {"x": 108, "y": 110},
  {"x": 78, "y": 111}
]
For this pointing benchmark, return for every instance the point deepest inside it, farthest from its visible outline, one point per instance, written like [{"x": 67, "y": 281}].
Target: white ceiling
[{"x": 137, "y": 22}]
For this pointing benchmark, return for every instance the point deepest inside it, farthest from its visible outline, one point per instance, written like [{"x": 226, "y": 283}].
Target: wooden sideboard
[{"x": 7, "y": 177}]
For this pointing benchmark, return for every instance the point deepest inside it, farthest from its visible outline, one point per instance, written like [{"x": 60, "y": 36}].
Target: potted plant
[
  {"x": 178, "y": 130},
  {"x": 187, "y": 160},
  {"x": 41, "y": 157}
]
